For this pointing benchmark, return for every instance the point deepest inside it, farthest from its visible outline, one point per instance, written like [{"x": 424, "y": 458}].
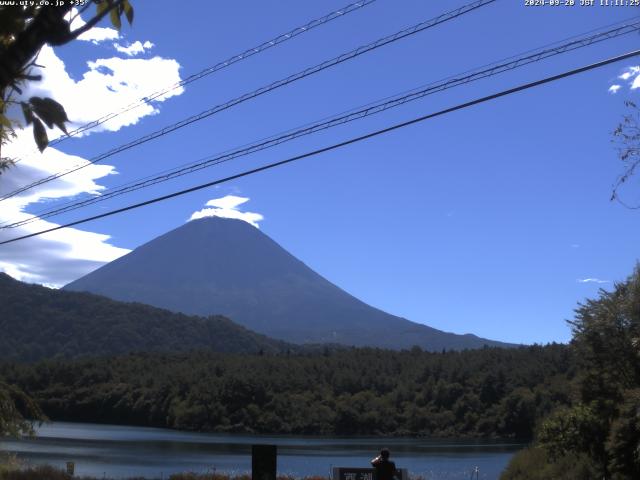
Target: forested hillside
[
  {"x": 483, "y": 393},
  {"x": 38, "y": 322}
]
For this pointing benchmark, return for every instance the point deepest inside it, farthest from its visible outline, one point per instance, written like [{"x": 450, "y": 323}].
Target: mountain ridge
[{"x": 225, "y": 266}]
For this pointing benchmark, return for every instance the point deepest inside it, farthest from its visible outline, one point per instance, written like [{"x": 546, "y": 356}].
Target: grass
[{"x": 10, "y": 470}]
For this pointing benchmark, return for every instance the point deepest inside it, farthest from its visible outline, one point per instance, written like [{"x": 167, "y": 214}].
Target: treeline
[{"x": 490, "y": 392}]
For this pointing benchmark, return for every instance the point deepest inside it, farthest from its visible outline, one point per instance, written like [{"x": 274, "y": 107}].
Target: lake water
[{"x": 120, "y": 451}]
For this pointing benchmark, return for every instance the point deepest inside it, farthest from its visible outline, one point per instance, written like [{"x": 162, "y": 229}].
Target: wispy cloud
[
  {"x": 94, "y": 35},
  {"x": 108, "y": 85},
  {"x": 631, "y": 72},
  {"x": 227, "y": 207},
  {"x": 135, "y": 48},
  {"x": 592, "y": 280},
  {"x": 58, "y": 257},
  {"x": 631, "y": 76}
]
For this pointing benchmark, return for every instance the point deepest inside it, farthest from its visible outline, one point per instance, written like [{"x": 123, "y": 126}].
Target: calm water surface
[{"x": 119, "y": 451}]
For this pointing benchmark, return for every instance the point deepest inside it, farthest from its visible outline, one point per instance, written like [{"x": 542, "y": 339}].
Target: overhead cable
[
  {"x": 335, "y": 146},
  {"x": 373, "y": 108},
  {"x": 219, "y": 66},
  {"x": 267, "y": 88}
]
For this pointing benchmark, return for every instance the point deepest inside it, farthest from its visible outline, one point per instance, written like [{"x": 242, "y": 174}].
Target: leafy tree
[
  {"x": 572, "y": 430},
  {"x": 627, "y": 139},
  {"x": 24, "y": 30},
  {"x": 606, "y": 337},
  {"x": 534, "y": 463},
  {"x": 18, "y": 411},
  {"x": 603, "y": 424},
  {"x": 623, "y": 445}
]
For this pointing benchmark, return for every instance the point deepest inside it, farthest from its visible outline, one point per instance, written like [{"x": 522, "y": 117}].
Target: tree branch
[
  {"x": 91, "y": 23},
  {"x": 29, "y": 42},
  {"x": 46, "y": 27}
]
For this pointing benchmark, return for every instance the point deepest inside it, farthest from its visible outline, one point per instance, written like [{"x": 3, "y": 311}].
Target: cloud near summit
[{"x": 227, "y": 207}]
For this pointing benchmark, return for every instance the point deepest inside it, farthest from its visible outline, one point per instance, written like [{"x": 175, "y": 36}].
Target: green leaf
[
  {"x": 115, "y": 18},
  {"x": 27, "y": 112},
  {"x": 50, "y": 111},
  {"x": 128, "y": 11},
  {"x": 102, "y": 6},
  {"x": 4, "y": 121},
  {"x": 60, "y": 34},
  {"x": 40, "y": 135},
  {"x": 32, "y": 78}
]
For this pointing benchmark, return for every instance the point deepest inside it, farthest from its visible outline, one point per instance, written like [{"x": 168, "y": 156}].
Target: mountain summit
[{"x": 224, "y": 266}]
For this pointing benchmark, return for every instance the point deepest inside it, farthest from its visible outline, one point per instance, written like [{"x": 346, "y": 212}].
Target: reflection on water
[{"x": 119, "y": 451}]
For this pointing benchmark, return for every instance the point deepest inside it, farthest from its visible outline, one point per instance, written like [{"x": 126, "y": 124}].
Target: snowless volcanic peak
[{"x": 225, "y": 266}]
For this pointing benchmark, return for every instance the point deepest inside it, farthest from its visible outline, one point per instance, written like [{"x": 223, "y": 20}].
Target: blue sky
[{"x": 482, "y": 221}]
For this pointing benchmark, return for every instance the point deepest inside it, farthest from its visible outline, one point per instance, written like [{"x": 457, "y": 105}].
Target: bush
[
  {"x": 534, "y": 464},
  {"x": 36, "y": 473},
  {"x": 8, "y": 461}
]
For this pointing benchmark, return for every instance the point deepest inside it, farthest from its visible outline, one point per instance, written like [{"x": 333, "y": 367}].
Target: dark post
[{"x": 263, "y": 462}]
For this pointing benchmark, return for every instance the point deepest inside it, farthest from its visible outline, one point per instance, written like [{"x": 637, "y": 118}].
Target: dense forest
[
  {"x": 38, "y": 322},
  {"x": 579, "y": 403},
  {"x": 489, "y": 392}
]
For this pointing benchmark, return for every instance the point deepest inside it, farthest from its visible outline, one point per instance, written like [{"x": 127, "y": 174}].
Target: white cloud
[
  {"x": 592, "y": 280},
  {"x": 631, "y": 71},
  {"x": 227, "y": 207},
  {"x": 632, "y": 78},
  {"x": 95, "y": 34},
  {"x": 135, "y": 48},
  {"x": 59, "y": 257},
  {"x": 575, "y": 245},
  {"x": 108, "y": 85}
]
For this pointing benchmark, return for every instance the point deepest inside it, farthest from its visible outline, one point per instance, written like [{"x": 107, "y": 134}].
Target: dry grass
[
  {"x": 8, "y": 461},
  {"x": 34, "y": 473},
  {"x": 222, "y": 476},
  {"x": 10, "y": 470}
]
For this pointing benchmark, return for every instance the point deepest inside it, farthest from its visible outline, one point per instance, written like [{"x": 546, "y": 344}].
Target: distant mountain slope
[
  {"x": 224, "y": 266},
  {"x": 38, "y": 322}
]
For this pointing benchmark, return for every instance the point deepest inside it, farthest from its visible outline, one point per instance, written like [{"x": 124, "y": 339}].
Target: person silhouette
[{"x": 385, "y": 468}]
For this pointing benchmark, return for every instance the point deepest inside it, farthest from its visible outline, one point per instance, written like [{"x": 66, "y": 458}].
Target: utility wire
[
  {"x": 267, "y": 88},
  {"x": 335, "y": 146},
  {"x": 219, "y": 66},
  {"x": 373, "y": 108}
]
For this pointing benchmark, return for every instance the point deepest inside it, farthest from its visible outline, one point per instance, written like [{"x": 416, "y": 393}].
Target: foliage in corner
[
  {"x": 603, "y": 424},
  {"x": 18, "y": 412},
  {"x": 24, "y": 30},
  {"x": 626, "y": 137}
]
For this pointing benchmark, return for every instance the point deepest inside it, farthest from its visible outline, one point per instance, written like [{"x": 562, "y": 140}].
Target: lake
[{"x": 121, "y": 451}]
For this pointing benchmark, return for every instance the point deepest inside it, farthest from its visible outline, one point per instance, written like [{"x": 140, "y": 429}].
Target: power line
[
  {"x": 268, "y": 88},
  {"x": 219, "y": 66},
  {"x": 373, "y": 108},
  {"x": 335, "y": 146}
]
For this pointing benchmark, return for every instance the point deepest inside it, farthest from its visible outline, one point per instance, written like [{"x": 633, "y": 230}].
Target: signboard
[
  {"x": 263, "y": 462},
  {"x": 354, "y": 473},
  {"x": 71, "y": 468}
]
